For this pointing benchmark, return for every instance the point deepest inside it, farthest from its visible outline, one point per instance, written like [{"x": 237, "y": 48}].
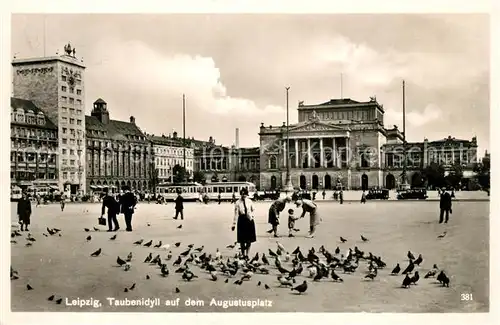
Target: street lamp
[{"x": 288, "y": 182}]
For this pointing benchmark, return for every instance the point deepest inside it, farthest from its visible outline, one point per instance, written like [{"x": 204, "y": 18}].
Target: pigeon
[
  {"x": 337, "y": 250},
  {"x": 258, "y": 284},
  {"x": 264, "y": 259},
  {"x": 301, "y": 288},
  {"x": 89, "y": 238},
  {"x": 415, "y": 278},
  {"x": 343, "y": 240},
  {"x": 29, "y": 287},
  {"x": 419, "y": 260},
  {"x": 126, "y": 267},
  {"x": 280, "y": 247},
  {"x": 371, "y": 275},
  {"x": 45, "y": 235},
  {"x": 148, "y": 258},
  {"x": 169, "y": 256},
  {"x": 51, "y": 298},
  {"x": 139, "y": 242},
  {"x": 125, "y": 290},
  {"x": 58, "y": 301},
  {"x": 177, "y": 244},
  {"x": 409, "y": 268},
  {"x": 406, "y": 282},
  {"x": 432, "y": 272},
  {"x": 148, "y": 243},
  {"x": 213, "y": 275},
  {"x": 96, "y": 253},
  {"x": 266, "y": 286},
  {"x": 227, "y": 280},
  {"x": 188, "y": 275},
  {"x": 129, "y": 257},
  {"x": 147, "y": 277},
  {"x": 410, "y": 256},
  {"x": 396, "y": 270},
  {"x": 164, "y": 270},
  {"x": 185, "y": 253},
  {"x": 335, "y": 277},
  {"x": 96, "y": 229},
  {"x": 442, "y": 235},
  {"x": 199, "y": 249},
  {"x": 51, "y": 232},
  {"x": 272, "y": 254},
  {"x": 445, "y": 281},
  {"x": 29, "y": 244},
  {"x": 284, "y": 281},
  {"x": 178, "y": 261},
  {"x": 364, "y": 238},
  {"x": 179, "y": 227},
  {"x": 158, "y": 245},
  {"x": 132, "y": 287},
  {"x": 238, "y": 282},
  {"x": 149, "y": 225},
  {"x": 119, "y": 261},
  {"x": 165, "y": 247},
  {"x": 113, "y": 237},
  {"x": 177, "y": 290}
]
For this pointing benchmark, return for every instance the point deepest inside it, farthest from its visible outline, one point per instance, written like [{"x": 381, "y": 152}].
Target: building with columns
[
  {"x": 34, "y": 147},
  {"x": 168, "y": 152},
  {"x": 334, "y": 143},
  {"x": 56, "y": 85},
  {"x": 118, "y": 153}
]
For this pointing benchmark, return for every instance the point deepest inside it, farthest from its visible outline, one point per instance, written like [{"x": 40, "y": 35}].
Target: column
[
  {"x": 285, "y": 158},
  {"x": 334, "y": 153},
  {"x": 308, "y": 152},
  {"x": 296, "y": 152},
  {"x": 347, "y": 152},
  {"x": 321, "y": 153}
]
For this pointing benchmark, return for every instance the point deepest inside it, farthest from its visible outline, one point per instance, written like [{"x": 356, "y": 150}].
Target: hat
[
  {"x": 244, "y": 191},
  {"x": 298, "y": 202}
]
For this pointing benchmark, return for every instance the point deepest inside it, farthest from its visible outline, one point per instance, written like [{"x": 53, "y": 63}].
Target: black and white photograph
[{"x": 249, "y": 163}]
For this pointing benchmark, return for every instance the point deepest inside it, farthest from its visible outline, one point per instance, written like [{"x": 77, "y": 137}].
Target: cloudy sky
[{"x": 234, "y": 68}]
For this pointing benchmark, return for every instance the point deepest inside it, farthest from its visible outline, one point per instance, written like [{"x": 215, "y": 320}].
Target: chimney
[
  {"x": 132, "y": 120},
  {"x": 237, "y": 139}
]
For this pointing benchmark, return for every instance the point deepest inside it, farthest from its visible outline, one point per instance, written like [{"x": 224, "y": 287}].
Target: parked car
[
  {"x": 377, "y": 194},
  {"x": 412, "y": 194}
]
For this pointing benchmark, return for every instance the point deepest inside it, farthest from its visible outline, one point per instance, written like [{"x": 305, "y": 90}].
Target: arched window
[
  {"x": 40, "y": 118},
  {"x": 30, "y": 117},
  {"x": 273, "y": 162}
]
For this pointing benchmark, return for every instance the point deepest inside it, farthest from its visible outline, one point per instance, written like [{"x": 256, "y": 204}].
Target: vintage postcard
[{"x": 168, "y": 163}]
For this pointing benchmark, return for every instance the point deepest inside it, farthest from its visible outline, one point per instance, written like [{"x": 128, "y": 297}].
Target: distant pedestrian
[
  {"x": 24, "y": 211},
  {"x": 335, "y": 195},
  {"x": 179, "y": 206},
  {"x": 244, "y": 222},
  {"x": 444, "y": 206},
  {"x": 219, "y": 198},
  {"x": 314, "y": 196},
  {"x": 310, "y": 207},
  {"x": 63, "y": 202},
  {"x": 341, "y": 197},
  {"x": 233, "y": 199},
  {"x": 363, "y": 197},
  {"x": 291, "y": 222},
  {"x": 113, "y": 207},
  {"x": 323, "y": 194},
  {"x": 128, "y": 202},
  {"x": 274, "y": 210}
]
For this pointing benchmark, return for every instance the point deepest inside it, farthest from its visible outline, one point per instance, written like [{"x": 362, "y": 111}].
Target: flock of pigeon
[{"x": 319, "y": 265}]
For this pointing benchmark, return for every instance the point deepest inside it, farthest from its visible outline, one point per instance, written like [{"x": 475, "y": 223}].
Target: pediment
[{"x": 317, "y": 126}]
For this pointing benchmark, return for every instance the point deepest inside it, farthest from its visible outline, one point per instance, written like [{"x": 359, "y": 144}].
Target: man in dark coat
[
  {"x": 128, "y": 202},
  {"x": 444, "y": 206},
  {"x": 179, "y": 206},
  {"x": 24, "y": 211},
  {"x": 113, "y": 209}
]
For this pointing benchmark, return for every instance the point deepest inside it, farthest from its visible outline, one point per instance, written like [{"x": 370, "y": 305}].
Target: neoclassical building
[
  {"x": 117, "y": 152},
  {"x": 333, "y": 143},
  {"x": 168, "y": 152},
  {"x": 34, "y": 147}
]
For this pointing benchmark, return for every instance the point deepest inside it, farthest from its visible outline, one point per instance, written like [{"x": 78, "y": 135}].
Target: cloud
[
  {"x": 414, "y": 118},
  {"x": 136, "y": 66}
]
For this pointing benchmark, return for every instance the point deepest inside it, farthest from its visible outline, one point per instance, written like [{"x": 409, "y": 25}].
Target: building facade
[
  {"x": 334, "y": 143},
  {"x": 56, "y": 85},
  {"x": 34, "y": 146},
  {"x": 168, "y": 152},
  {"x": 117, "y": 153}
]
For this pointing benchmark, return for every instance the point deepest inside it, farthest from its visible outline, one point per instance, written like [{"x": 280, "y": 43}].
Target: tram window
[
  {"x": 229, "y": 189},
  {"x": 221, "y": 189},
  {"x": 235, "y": 189},
  {"x": 209, "y": 190}
]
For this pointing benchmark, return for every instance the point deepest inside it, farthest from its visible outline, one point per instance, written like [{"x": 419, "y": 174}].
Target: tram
[
  {"x": 227, "y": 189},
  {"x": 189, "y": 191}
]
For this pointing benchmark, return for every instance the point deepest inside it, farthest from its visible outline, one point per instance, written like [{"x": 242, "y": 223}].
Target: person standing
[
  {"x": 63, "y": 202},
  {"x": 128, "y": 202},
  {"x": 274, "y": 212},
  {"x": 335, "y": 195},
  {"x": 244, "y": 222},
  {"x": 310, "y": 207},
  {"x": 291, "y": 222},
  {"x": 341, "y": 197},
  {"x": 363, "y": 197},
  {"x": 444, "y": 206},
  {"x": 233, "y": 199},
  {"x": 113, "y": 209},
  {"x": 219, "y": 198},
  {"x": 323, "y": 194},
  {"x": 179, "y": 206},
  {"x": 24, "y": 211}
]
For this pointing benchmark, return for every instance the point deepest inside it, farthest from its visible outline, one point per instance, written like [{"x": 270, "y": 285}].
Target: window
[
  {"x": 65, "y": 162},
  {"x": 72, "y": 162},
  {"x": 65, "y": 110},
  {"x": 65, "y": 130},
  {"x": 72, "y": 132},
  {"x": 72, "y": 141},
  {"x": 65, "y": 141},
  {"x": 71, "y": 121},
  {"x": 63, "y": 88},
  {"x": 79, "y": 142},
  {"x": 65, "y": 175},
  {"x": 79, "y": 111},
  {"x": 72, "y": 90},
  {"x": 79, "y": 102},
  {"x": 64, "y": 99},
  {"x": 63, "y": 78},
  {"x": 71, "y": 152},
  {"x": 72, "y": 111},
  {"x": 64, "y": 120},
  {"x": 64, "y": 151},
  {"x": 78, "y": 82},
  {"x": 71, "y": 100},
  {"x": 78, "y": 91},
  {"x": 79, "y": 122}
]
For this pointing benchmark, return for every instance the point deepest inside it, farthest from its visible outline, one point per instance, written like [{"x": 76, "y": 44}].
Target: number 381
[{"x": 466, "y": 297}]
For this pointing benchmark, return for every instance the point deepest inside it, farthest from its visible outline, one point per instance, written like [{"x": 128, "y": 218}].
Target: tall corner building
[{"x": 56, "y": 84}]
